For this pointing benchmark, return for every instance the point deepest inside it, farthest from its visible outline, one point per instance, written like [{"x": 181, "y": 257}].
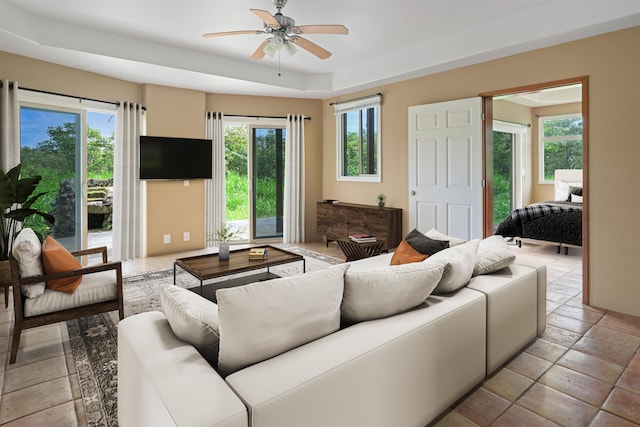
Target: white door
[{"x": 445, "y": 168}]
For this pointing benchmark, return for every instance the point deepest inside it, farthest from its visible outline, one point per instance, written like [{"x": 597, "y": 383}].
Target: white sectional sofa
[{"x": 401, "y": 370}]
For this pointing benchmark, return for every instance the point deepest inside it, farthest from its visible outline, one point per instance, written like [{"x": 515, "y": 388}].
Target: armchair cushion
[
  {"x": 95, "y": 288},
  {"x": 26, "y": 250},
  {"x": 56, "y": 259}
]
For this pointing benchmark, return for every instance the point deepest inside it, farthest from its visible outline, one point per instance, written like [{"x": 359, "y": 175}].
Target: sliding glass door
[
  {"x": 50, "y": 145},
  {"x": 254, "y": 163},
  {"x": 72, "y": 149},
  {"x": 268, "y": 182}
]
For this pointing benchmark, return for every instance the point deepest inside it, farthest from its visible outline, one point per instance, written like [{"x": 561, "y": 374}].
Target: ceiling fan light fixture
[
  {"x": 269, "y": 49},
  {"x": 277, "y": 41},
  {"x": 290, "y": 48}
]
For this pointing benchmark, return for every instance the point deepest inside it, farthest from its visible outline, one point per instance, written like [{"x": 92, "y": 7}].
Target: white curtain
[
  {"x": 215, "y": 188},
  {"x": 294, "y": 181},
  {"x": 9, "y": 125},
  {"x": 128, "y": 202}
]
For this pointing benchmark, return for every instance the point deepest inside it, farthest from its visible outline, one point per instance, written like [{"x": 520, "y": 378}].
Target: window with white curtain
[{"x": 358, "y": 140}]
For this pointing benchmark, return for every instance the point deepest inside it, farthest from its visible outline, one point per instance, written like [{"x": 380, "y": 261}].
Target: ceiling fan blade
[
  {"x": 259, "y": 53},
  {"x": 320, "y": 29},
  {"x": 311, "y": 47},
  {"x": 266, "y": 17},
  {"x": 232, "y": 33}
]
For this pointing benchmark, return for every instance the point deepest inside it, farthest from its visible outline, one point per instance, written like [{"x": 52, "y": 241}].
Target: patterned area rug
[{"x": 94, "y": 339}]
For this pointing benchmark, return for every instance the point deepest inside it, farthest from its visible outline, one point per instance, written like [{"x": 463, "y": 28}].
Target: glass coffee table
[{"x": 207, "y": 267}]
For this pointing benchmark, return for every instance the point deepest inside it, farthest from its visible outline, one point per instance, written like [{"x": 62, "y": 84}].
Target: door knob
[{"x": 413, "y": 193}]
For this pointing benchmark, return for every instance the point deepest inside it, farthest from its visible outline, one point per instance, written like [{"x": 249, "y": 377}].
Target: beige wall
[{"x": 612, "y": 64}]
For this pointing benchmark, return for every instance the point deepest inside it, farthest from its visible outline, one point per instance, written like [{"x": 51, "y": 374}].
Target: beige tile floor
[{"x": 584, "y": 370}]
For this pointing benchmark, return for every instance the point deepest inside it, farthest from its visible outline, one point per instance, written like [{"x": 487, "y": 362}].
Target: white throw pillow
[
  {"x": 435, "y": 234},
  {"x": 493, "y": 254},
  {"x": 389, "y": 290},
  {"x": 27, "y": 250},
  {"x": 193, "y": 319},
  {"x": 264, "y": 319},
  {"x": 576, "y": 199},
  {"x": 459, "y": 263}
]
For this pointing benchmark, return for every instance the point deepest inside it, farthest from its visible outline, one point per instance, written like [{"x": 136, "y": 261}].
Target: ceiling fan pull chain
[{"x": 279, "y": 75}]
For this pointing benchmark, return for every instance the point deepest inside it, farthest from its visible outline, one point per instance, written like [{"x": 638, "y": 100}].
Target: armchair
[{"x": 99, "y": 292}]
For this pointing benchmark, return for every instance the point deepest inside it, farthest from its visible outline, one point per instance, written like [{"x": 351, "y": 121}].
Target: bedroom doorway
[{"x": 523, "y": 105}]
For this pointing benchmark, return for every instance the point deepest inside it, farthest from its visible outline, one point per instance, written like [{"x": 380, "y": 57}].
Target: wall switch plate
[
  {"x": 186, "y": 236},
  {"x": 186, "y": 182},
  {"x": 167, "y": 239}
]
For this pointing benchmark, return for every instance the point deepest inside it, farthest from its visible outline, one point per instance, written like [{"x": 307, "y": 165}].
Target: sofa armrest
[{"x": 163, "y": 381}]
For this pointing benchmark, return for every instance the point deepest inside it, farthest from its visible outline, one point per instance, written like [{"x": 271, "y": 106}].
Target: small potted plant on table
[
  {"x": 222, "y": 236},
  {"x": 381, "y": 199}
]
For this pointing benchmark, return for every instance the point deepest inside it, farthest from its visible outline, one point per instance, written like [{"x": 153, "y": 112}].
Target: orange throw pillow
[
  {"x": 55, "y": 259},
  {"x": 405, "y": 254}
]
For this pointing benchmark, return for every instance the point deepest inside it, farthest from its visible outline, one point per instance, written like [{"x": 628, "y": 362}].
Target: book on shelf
[
  {"x": 362, "y": 238},
  {"x": 258, "y": 253}
]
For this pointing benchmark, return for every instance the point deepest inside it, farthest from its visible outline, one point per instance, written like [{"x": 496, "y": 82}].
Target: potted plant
[
  {"x": 16, "y": 204},
  {"x": 221, "y": 236},
  {"x": 381, "y": 200}
]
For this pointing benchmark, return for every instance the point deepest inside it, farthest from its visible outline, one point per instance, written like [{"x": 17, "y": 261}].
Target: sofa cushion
[
  {"x": 56, "y": 259},
  {"x": 385, "y": 291},
  {"x": 459, "y": 262},
  {"x": 493, "y": 254},
  {"x": 423, "y": 244},
  {"x": 435, "y": 234},
  {"x": 27, "y": 250},
  {"x": 193, "y": 319},
  {"x": 405, "y": 254},
  {"x": 264, "y": 319}
]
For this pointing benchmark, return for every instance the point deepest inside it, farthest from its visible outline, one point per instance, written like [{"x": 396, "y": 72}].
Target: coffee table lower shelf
[{"x": 209, "y": 291}]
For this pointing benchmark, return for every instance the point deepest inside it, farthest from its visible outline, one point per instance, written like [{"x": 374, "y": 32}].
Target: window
[
  {"x": 358, "y": 140},
  {"x": 560, "y": 140}
]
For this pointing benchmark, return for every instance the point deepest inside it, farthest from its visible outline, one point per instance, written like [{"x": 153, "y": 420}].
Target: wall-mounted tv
[{"x": 175, "y": 158}]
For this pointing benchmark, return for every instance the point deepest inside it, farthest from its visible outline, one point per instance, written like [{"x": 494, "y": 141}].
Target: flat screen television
[{"x": 175, "y": 158}]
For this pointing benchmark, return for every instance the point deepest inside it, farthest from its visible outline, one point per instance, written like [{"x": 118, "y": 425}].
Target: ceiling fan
[{"x": 285, "y": 34}]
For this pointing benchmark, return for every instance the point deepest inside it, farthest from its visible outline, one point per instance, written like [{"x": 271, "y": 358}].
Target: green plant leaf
[
  {"x": 7, "y": 191},
  {"x": 25, "y": 187}
]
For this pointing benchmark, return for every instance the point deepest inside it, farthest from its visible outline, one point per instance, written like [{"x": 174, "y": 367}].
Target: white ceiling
[{"x": 160, "y": 41}]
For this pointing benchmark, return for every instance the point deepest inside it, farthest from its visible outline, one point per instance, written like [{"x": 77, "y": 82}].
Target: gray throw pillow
[
  {"x": 425, "y": 245},
  {"x": 193, "y": 319}
]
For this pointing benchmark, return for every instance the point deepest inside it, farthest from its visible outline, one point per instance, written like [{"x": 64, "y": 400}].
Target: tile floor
[{"x": 584, "y": 370}]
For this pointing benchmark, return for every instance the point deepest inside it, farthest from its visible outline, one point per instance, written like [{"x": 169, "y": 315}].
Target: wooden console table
[{"x": 339, "y": 220}]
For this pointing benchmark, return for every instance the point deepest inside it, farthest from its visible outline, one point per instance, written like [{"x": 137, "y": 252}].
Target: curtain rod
[
  {"x": 80, "y": 98},
  {"x": 528, "y": 125},
  {"x": 357, "y": 99},
  {"x": 251, "y": 117}
]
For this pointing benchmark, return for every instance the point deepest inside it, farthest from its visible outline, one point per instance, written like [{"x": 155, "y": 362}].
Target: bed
[{"x": 557, "y": 222}]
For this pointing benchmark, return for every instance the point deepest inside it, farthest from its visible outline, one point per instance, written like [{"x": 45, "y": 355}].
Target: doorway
[
  {"x": 254, "y": 169},
  {"x": 549, "y": 94}
]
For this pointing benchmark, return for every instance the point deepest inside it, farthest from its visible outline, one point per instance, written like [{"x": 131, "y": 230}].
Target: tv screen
[{"x": 175, "y": 158}]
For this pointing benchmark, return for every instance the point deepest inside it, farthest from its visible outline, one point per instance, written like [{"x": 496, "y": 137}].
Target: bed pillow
[
  {"x": 459, "y": 263},
  {"x": 56, "y": 259},
  {"x": 264, "y": 319},
  {"x": 576, "y": 199},
  {"x": 493, "y": 254},
  {"x": 405, "y": 254},
  {"x": 574, "y": 190},
  {"x": 389, "y": 290},
  {"x": 453, "y": 241},
  {"x": 193, "y": 319},
  {"x": 27, "y": 251},
  {"x": 423, "y": 244}
]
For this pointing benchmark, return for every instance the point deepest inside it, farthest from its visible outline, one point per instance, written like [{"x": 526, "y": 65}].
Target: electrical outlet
[
  {"x": 186, "y": 236},
  {"x": 186, "y": 182},
  {"x": 167, "y": 239}
]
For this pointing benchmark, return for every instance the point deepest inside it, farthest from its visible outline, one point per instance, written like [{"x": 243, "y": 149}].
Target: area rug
[{"x": 94, "y": 339}]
